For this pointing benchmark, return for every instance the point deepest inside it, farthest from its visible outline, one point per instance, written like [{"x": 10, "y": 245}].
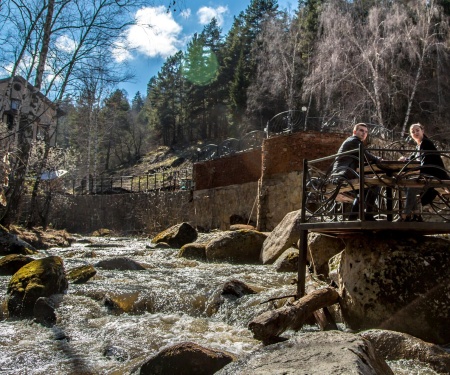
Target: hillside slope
[{"x": 160, "y": 159}]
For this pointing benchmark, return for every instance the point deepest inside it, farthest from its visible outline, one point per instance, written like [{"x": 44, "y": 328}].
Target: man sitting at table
[{"x": 344, "y": 168}]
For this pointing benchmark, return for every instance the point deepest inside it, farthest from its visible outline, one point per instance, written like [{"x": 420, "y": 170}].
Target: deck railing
[{"x": 329, "y": 197}]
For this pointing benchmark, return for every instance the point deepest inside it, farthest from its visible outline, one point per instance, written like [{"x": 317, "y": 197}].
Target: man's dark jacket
[{"x": 346, "y": 165}]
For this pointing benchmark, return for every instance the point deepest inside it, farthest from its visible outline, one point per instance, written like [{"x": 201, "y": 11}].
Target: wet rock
[
  {"x": 186, "y": 359},
  {"x": 10, "y": 243},
  {"x": 241, "y": 246},
  {"x": 237, "y": 289},
  {"x": 116, "y": 352},
  {"x": 102, "y": 232},
  {"x": 242, "y": 226},
  {"x": 395, "y": 346},
  {"x": 44, "y": 309},
  {"x": 44, "y": 239},
  {"x": 321, "y": 249},
  {"x": 193, "y": 251},
  {"x": 161, "y": 245},
  {"x": 130, "y": 303},
  {"x": 397, "y": 283},
  {"x": 315, "y": 353},
  {"x": 288, "y": 261},
  {"x": 39, "y": 278},
  {"x": 80, "y": 275},
  {"x": 284, "y": 235},
  {"x": 120, "y": 263},
  {"x": 11, "y": 263},
  {"x": 231, "y": 289},
  {"x": 177, "y": 235}
]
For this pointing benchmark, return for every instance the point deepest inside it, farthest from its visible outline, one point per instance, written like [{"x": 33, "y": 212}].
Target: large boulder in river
[
  {"x": 321, "y": 249},
  {"x": 285, "y": 234},
  {"x": 314, "y": 353},
  {"x": 11, "y": 263},
  {"x": 177, "y": 235},
  {"x": 288, "y": 261},
  {"x": 401, "y": 346},
  {"x": 186, "y": 358},
  {"x": 39, "y": 278},
  {"x": 240, "y": 246},
  {"x": 397, "y": 283},
  {"x": 193, "y": 251}
]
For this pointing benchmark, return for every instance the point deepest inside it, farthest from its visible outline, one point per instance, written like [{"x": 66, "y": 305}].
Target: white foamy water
[{"x": 173, "y": 302}]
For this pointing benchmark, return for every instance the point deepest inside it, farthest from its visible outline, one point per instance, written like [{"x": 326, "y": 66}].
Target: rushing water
[{"x": 172, "y": 298}]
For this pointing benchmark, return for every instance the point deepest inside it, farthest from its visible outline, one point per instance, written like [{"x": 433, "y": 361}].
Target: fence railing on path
[{"x": 168, "y": 180}]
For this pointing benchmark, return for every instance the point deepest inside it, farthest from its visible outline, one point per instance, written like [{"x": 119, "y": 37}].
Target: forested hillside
[{"x": 380, "y": 62}]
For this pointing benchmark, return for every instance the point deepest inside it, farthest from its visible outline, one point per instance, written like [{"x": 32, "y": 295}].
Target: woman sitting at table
[{"x": 431, "y": 164}]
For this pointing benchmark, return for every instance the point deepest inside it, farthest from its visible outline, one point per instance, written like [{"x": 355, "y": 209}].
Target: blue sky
[{"x": 159, "y": 34}]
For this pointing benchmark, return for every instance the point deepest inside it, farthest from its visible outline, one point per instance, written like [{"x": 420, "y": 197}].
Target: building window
[{"x": 15, "y": 104}]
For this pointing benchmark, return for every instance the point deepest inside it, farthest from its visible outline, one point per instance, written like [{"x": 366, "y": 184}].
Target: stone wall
[
  {"x": 214, "y": 207},
  {"x": 127, "y": 213}
]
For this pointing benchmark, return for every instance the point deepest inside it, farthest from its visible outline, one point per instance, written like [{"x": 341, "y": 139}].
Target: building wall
[{"x": 234, "y": 169}]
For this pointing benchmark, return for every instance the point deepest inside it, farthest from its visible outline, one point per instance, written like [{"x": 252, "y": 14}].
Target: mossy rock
[
  {"x": 195, "y": 251},
  {"x": 81, "y": 274},
  {"x": 177, "y": 235},
  {"x": 102, "y": 232},
  {"x": 11, "y": 263},
  {"x": 39, "y": 278}
]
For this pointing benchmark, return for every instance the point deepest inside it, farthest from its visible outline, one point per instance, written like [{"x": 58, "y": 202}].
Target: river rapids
[{"x": 172, "y": 301}]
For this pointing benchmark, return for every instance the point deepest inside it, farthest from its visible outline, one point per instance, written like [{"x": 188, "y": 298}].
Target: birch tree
[{"x": 370, "y": 68}]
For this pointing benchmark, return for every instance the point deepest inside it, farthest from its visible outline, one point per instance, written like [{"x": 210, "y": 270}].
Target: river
[{"x": 172, "y": 301}]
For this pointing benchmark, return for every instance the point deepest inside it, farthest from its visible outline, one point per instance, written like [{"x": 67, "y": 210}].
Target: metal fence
[
  {"x": 295, "y": 120},
  {"x": 250, "y": 141},
  {"x": 285, "y": 123},
  {"x": 168, "y": 180}
]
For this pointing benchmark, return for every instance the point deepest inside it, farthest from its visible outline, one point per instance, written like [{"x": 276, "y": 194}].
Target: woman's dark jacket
[{"x": 431, "y": 164}]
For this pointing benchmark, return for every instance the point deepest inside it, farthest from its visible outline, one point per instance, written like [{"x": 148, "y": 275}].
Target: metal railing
[
  {"x": 296, "y": 120},
  {"x": 169, "y": 180},
  {"x": 329, "y": 196},
  {"x": 250, "y": 141}
]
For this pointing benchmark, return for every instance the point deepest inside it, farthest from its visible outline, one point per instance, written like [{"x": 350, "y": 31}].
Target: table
[{"x": 374, "y": 174}]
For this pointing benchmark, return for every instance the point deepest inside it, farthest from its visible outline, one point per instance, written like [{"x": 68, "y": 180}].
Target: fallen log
[{"x": 269, "y": 325}]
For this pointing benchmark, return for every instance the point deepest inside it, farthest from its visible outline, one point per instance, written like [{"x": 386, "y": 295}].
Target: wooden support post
[{"x": 301, "y": 275}]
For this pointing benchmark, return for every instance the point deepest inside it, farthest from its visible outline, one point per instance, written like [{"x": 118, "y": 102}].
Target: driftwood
[
  {"x": 271, "y": 324},
  {"x": 322, "y": 316}
]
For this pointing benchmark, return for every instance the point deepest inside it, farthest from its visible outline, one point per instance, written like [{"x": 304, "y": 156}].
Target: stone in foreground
[
  {"x": 316, "y": 353},
  {"x": 186, "y": 359},
  {"x": 39, "y": 278}
]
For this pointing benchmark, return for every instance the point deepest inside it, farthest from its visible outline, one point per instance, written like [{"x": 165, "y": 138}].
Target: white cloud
[
  {"x": 185, "y": 13},
  {"x": 206, "y": 14},
  {"x": 154, "y": 34},
  {"x": 66, "y": 44}
]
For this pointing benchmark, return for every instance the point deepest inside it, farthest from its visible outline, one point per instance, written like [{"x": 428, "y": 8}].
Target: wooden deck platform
[{"x": 349, "y": 228}]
